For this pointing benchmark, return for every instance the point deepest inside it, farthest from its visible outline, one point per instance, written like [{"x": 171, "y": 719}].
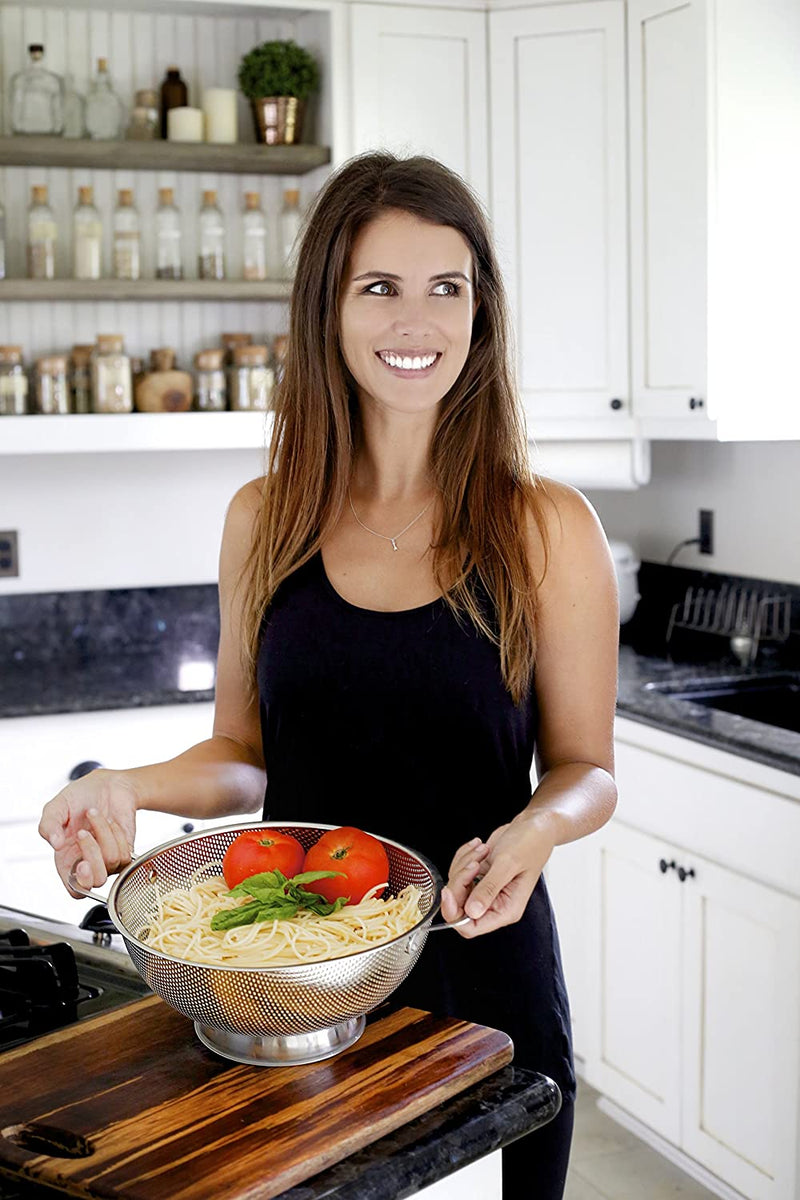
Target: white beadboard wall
[{"x": 139, "y": 47}]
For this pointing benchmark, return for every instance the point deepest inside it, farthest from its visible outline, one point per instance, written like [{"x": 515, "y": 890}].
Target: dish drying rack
[{"x": 742, "y": 614}]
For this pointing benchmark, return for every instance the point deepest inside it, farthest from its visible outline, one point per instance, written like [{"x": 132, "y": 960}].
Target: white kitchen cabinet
[
  {"x": 559, "y": 203},
  {"x": 667, "y": 145},
  {"x": 567, "y": 877},
  {"x": 419, "y": 85},
  {"x": 694, "y": 1016}
]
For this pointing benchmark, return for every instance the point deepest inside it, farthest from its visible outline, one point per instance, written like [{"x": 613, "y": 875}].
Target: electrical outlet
[
  {"x": 706, "y": 538},
  {"x": 9, "y": 553}
]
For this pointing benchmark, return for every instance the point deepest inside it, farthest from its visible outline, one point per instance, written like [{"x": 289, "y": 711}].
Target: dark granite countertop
[{"x": 484, "y": 1118}]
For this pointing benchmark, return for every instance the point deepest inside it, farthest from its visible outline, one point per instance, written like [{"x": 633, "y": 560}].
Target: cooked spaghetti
[{"x": 180, "y": 926}]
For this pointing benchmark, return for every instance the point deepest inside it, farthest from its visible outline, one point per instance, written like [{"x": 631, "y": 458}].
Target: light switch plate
[{"x": 9, "y": 553}]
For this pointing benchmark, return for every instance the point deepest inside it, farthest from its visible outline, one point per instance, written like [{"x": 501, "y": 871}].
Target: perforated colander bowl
[{"x": 269, "y": 1015}]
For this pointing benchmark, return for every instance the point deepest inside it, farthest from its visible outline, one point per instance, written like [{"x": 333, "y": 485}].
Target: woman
[{"x": 406, "y": 616}]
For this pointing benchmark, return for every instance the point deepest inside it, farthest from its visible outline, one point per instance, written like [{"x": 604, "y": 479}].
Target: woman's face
[{"x": 406, "y": 311}]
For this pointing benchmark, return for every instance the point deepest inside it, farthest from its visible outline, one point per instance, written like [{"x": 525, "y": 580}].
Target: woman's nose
[{"x": 410, "y": 317}]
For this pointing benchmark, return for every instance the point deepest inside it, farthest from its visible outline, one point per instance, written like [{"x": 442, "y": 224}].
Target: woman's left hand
[{"x": 492, "y": 882}]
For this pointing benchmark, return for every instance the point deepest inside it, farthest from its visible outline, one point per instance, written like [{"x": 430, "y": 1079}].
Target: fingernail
[
  {"x": 83, "y": 833},
  {"x": 56, "y": 841},
  {"x": 92, "y": 812},
  {"x": 474, "y": 909}
]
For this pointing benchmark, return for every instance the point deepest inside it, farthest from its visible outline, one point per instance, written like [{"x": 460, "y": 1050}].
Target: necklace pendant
[{"x": 394, "y": 543}]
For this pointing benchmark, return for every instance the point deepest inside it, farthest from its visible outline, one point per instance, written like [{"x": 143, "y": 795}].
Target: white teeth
[{"x": 418, "y": 363}]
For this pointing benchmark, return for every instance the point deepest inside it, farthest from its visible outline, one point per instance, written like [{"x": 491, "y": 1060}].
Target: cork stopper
[
  {"x": 162, "y": 359},
  {"x": 53, "y": 364},
  {"x": 252, "y": 200},
  {"x": 81, "y": 354},
  {"x": 209, "y": 360},
  {"x": 166, "y": 195},
  {"x": 11, "y": 355},
  {"x": 146, "y": 98},
  {"x": 125, "y": 198},
  {"x": 250, "y": 356},
  {"x": 102, "y": 64},
  {"x": 210, "y": 197},
  {"x": 110, "y": 343},
  {"x": 39, "y": 194},
  {"x": 291, "y": 197},
  {"x": 86, "y": 195}
]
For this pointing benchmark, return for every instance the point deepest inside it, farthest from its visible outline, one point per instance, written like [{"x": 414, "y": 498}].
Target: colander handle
[
  {"x": 449, "y": 925},
  {"x": 72, "y": 880}
]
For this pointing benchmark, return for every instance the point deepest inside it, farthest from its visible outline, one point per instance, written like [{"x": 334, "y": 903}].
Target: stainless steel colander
[{"x": 268, "y": 1015}]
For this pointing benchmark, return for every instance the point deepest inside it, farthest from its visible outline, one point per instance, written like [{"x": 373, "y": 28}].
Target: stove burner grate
[{"x": 39, "y": 987}]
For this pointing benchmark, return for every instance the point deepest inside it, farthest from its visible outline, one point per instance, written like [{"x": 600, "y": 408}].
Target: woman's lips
[{"x": 419, "y": 373}]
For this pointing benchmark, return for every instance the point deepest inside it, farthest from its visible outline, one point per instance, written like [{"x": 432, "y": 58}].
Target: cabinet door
[
  {"x": 741, "y": 1073},
  {"x": 558, "y": 164},
  {"x": 419, "y": 85},
  {"x": 567, "y": 877},
  {"x": 634, "y": 977},
  {"x": 668, "y": 214}
]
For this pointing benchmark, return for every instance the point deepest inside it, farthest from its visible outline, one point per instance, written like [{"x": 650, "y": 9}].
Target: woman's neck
[{"x": 392, "y": 462}]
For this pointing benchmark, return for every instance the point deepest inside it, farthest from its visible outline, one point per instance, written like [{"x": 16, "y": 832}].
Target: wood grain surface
[{"x": 165, "y": 1119}]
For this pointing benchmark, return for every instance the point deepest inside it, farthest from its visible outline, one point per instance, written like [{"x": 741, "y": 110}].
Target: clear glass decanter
[
  {"x": 37, "y": 97},
  {"x": 211, "y": 259},
  {"x": 87, "y": 237},
  {"x": 126, "y": 237},
  {"x": 254, "y": 238},
  {"x": 169, "y": 260},
  {"x": 105, "y": 112}
]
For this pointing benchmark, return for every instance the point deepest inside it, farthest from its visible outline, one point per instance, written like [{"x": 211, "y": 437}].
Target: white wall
[
  {"x": 753, "y": 488},
  {"x": 95, "y": 521}
]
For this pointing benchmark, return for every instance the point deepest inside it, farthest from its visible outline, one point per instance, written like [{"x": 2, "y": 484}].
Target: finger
[
  {"x": 91, "y": 871},
  {"x": 507, "y": 908},
  {"x": 53, "y": 822},
  {"x": 467, "y": 854},
  {"x": 461, "y": 884},
  {"x": 110, "y": 838},
  {"x": 501, "y": 873}
]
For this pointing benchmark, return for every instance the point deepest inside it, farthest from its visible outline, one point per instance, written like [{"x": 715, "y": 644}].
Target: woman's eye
[
  {"x": 455, "y": 288},
  {"x": 382, "y": 283}
]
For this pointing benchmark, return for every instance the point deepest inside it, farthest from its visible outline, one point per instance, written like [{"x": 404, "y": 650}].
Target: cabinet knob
[
  {"x": 683, "y": 874},
  {"x": 83, "y": 768},
  {"x": 665, "y": 866},
  {"x": 616, "y": 404},
  {"x": 187, "y": 827},
  {"x": 695, "y": 402}
]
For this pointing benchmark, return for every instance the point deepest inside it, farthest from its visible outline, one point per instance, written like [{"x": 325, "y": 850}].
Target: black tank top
[{"x": 400, "y": 723}]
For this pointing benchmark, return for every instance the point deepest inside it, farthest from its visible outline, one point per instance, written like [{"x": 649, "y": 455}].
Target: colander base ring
[{"x": 281, "y": 1050}]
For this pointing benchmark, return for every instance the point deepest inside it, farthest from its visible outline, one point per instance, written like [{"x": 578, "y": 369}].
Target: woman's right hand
[{"x": 91, "y": 825}]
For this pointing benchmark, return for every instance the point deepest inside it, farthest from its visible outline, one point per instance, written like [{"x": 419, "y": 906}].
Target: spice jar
[
  {"x": 145, "y": 123},
  {"x": 163, "y": 388},
  {"x": 80, "y": 379},
  {"x": 52, "y": 385},
  {"x": 13, "y": 383},
  {"x": 211, "y": 393},
  {"x": 252, "y": 379},
  {"x": 112, "y": 390},
  {"x": 229, "y": 343}
]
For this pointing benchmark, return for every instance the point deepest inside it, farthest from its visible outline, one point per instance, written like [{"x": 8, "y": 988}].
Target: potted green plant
[{"x": 278, "y": 78}]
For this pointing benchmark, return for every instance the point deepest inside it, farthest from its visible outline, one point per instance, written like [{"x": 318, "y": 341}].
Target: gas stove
[{"x": 53, "y": 974}]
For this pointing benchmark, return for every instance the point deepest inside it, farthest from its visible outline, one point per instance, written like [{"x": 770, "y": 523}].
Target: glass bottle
[
  {"x": 87, "y": 237},
  {"x": 252, "y": 379},
  {"x": 169, "y": 263},
  {"x": 211, "y": 259},
  {"x": 2, "y": 242},
  {"x": 211, "y": 392},
  {"x": 112, "y": 383},
  {"x": 105, "y": 115},
  {"x": 174, "y": 94},
  {"x": 144, "y": 124},
  {"x": 80, "y": 379},
  {"x": 289, "y": 228},
  {"x": 37, "y": 97},
  {"x": 126, "y": 237},
  {"x": 254, "y": 238},
  {"x": 51, "y": 395},
  {"x": 74, "y": 111},
  {"x": 42, "y": 232},
  {"x": 13, "y": 383}
]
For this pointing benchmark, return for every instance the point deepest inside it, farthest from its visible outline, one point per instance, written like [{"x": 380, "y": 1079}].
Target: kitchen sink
[{"x": 770, "y": 699}]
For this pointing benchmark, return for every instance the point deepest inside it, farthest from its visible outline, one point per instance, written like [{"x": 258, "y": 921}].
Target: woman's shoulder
[
  {"x": 564, "y": 533},
  {"x": 244, "y": 511}
]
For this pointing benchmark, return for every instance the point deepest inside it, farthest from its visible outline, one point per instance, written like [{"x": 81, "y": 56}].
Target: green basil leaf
[
  {"x": 229, "y": 918},
  {"x": 265, "y": 879},
  {"x": 313, "y": 876}
]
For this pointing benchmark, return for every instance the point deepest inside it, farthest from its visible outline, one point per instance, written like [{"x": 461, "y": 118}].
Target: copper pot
[{"x": 279, "y": 119}]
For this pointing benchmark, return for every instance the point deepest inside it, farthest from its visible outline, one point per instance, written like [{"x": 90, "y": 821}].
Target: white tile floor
[{"x": 609, "y": 1163}]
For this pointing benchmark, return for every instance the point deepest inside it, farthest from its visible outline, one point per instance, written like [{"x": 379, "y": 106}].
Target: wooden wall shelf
[
  {"x": 143, "y": 289},
  {"x": 241, "y": 158}
]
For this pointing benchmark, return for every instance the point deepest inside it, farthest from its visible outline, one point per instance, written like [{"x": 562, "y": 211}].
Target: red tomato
[
  {"x": 360, "y": 857},
  {"x": 261, "y": 850}
]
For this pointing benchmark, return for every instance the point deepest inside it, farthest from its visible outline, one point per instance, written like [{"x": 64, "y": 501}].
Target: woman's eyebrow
[{"x": 397, "y": 278}]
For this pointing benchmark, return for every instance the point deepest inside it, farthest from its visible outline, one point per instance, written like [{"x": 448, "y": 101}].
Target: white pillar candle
[
  {"x": 185, "y": 125},
  {"x": 219, "y": 107}
]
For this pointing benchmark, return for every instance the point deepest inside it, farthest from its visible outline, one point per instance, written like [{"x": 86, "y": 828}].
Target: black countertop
[{"x": 486, "y": 1117}]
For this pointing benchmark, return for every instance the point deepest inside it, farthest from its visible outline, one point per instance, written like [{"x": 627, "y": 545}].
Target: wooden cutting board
[{"x": 162, "y": 1118}]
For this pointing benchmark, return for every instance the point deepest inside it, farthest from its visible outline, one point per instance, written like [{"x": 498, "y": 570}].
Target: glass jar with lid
[
  {"x": 51, "y": 395},
  {"x": 13, "y": 383},
  {"x": 144, "y": 123},
  {"x": 80, "y": 379},
  {"x": 252, "y": 379},
  {"x": 211, "y": 392},
  {"x": 112, "y": 386}
]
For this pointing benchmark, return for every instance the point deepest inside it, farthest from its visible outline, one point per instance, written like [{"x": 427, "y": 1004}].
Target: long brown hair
[{"x": 478, "y": 453}]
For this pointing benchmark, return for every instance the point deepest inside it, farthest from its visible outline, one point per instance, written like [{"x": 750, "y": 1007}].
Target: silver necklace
[{"x": 393, "y": 540}]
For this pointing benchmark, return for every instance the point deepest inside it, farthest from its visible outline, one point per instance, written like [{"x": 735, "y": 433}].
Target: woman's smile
[{"x": 410, "y": 364}]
